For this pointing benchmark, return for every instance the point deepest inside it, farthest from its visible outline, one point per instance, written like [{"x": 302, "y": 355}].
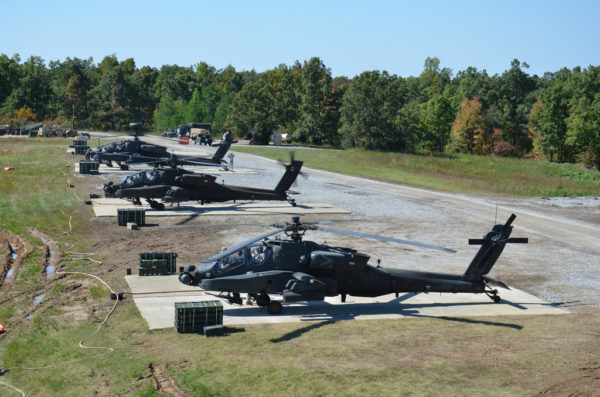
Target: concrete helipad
[
  {"x": 155, "y": 297},
  {"x": 104, "y": 169},
  {"x": 108, "y": 207}
]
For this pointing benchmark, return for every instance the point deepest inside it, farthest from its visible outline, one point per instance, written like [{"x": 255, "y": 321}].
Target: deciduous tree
[{"x": 469, "y": 129}]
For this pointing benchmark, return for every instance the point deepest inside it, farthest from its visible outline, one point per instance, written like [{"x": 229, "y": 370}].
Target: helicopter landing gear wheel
[
  {"x": 274, "y": 307},
  {"x": 262, "y": 300},
  {"x": 124, "y": 167},
  {"x": 291, "y": 201},
  {"x": 156, "y": 205}
]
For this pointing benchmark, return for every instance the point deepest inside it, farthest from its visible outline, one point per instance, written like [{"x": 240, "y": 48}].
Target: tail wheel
[
  {"x": 493, "y": 295},
  {"x": 275, "y": 307}
]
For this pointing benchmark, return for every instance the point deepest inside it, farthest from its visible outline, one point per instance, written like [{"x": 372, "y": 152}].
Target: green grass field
[
  {"x": 454, "y": 173},
  {"x": 36, "y": 192}
]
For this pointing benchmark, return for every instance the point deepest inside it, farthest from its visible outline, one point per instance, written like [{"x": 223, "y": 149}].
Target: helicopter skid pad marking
[
  {"x": 105, "y": 169},
  {"x": 158, "y": 308},
  {"x": 108, "y": 207}
]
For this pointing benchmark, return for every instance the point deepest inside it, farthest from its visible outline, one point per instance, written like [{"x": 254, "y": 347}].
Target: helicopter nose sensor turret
[
  {"x": 189, "y": 276},
  {"x": 186, "y": 278}
]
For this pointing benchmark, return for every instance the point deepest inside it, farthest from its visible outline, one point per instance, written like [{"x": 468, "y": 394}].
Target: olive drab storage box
[
  {"x": 131, "y": 215},
  {"x": 192, "y": 317},
  {"x": 157, "y": 263},
  {"x": 88, "y": 167},
  {"x": 80, "y": 146}
]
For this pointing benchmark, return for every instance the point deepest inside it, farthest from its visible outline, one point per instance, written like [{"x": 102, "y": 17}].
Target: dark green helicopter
[
  {"x": 171, "y": 184},
  {"x": 302, "y": 270},
  {"x": 135, "y": 151}
]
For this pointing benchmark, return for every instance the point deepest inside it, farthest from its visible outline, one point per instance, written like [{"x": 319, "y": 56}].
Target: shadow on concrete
[{"x": 328, "y": 312}]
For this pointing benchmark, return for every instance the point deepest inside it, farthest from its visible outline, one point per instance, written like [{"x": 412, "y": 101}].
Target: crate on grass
[
  {"x": 88, "y": 167},
  {"x": 192, "y": 317},
  {"x": 157, "y": 263},
  {"x": 80, "y": 146},
  {"x": 131, "y": 215}
]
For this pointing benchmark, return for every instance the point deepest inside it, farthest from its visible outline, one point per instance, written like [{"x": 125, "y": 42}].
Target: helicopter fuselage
[
  {"x": 135, "y": 151},
  {"x": 178, "y": 185},
  {"x": 305, "y": 271}
]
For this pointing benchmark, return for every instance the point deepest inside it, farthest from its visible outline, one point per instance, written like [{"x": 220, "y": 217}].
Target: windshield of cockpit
[
  {"x": 144, "y": 177},
  {"x": 253, "y": 255},
  {"x": 108, "y": 147}
]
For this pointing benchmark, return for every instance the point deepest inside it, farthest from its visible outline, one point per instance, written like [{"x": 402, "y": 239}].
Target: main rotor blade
[
  {"x": 238, "y": 247},
  {"x": 210, "y": 225},
  {"x": 203, "y": 162},
  {"x": 277, "y": 225},
  {"x": 390, "y": 239},
  {"x": 334, "y": 221},
  {"x": 105, "y": 138}
]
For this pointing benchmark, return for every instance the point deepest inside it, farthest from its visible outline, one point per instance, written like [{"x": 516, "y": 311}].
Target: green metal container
[
  {"x": 88, "y": 167},
  {"x": 157, "y": 263},
  {"x": 80, "y": 146},
  {"x": 127, "y": 215},
  {"x": 192, "y": 317}
]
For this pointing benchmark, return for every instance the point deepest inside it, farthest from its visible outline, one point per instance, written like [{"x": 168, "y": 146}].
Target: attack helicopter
[
  {"x": 136, "y": 151},
  {"x": 172, "y": 184},
  {"x": 302, "y": 270}
]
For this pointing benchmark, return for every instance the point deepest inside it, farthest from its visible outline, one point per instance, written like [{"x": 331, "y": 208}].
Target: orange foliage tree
[
  {"x": 469, "y": 131},
  {"x": 23, "y": 115}
]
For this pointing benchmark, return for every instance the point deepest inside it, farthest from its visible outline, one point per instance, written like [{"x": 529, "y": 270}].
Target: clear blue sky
[{"x": 349, "y": 36}]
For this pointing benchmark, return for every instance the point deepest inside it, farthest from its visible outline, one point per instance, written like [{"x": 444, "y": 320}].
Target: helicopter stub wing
[
  {"x": 492, "y": 281},
  {"x": 271, "y": 281}
]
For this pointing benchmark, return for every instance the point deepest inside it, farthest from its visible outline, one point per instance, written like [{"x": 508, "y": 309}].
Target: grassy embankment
[
  {"x": 456, "y": 173},
  {"x": 421, "y": 356}
]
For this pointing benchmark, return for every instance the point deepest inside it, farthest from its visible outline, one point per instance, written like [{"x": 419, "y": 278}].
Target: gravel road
[{"x": 561, "y": 264}]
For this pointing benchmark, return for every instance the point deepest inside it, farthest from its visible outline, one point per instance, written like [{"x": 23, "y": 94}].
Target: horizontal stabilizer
[
  {"x": 517, "y": 240},
  {"x": 492, "y": 281},
  {"x": 476, "y": 241}
]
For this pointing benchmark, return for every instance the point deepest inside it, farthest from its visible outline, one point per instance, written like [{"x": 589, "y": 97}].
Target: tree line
[{"x": 556, "y": 115}]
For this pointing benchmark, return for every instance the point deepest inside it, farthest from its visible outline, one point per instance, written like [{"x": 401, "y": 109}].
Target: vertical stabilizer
[
  {"x": 492, "y": 245},
  {"x": 221, "y": 151},
  {"x": 291, "y": 172}
]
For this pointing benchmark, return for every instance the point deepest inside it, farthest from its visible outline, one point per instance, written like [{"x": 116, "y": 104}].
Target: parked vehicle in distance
[{"x": 170, "y": 133}]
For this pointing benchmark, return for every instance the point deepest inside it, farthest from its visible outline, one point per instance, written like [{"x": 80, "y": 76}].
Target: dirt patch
[
  {"x": 585, "y": 383},
  {"x": 16, "y": 249},
  {"x": 162, "y": 381},
  {"x": 51, "y": 255}
]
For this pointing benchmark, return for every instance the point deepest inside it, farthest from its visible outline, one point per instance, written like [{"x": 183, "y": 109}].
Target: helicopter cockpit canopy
[
  {"x": 143, "y": 177},
  {"x": 108, "y": 147},
  {"x": 254, "y": 255}
]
